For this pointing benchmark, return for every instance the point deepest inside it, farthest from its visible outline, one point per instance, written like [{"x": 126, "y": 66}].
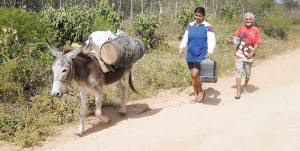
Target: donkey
[{"x": 86, "y": 71}]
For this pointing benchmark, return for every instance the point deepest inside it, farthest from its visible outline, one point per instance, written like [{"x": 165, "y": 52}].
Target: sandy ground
[{"x": 266, "y": 118}]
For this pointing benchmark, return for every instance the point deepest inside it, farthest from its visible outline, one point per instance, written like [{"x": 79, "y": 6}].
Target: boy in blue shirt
[{"x": 199, "y": 41}]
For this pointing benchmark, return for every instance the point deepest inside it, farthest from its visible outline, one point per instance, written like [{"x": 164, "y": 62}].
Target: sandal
[
  {"x": 202, "y": 97},
  {"x": 237, "y": 97},
  {"x": 194, "y": 99}
]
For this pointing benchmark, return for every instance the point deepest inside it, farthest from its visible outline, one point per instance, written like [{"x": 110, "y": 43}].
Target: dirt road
[{"x": 267, "y": 117}]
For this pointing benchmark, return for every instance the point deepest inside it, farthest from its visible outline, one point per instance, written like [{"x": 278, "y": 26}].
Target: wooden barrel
[{"x": 122, "y": 51}]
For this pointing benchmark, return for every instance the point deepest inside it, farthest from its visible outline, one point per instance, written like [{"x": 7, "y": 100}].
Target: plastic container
[{"x": 208, "y": 71}]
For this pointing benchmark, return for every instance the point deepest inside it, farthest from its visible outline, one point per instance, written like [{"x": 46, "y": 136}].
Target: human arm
[
  {"x": 257, "y": 41},
  {"x": 235, "y": 39},
  {"x": 183, "y": 43},
  {"x": 211, "y": 41}
]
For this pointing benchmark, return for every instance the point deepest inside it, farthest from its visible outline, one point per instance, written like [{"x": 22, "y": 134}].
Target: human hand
[
  {"x": 234, "y": 40},
  {"x": 180, "y": 52},
  {"x": 251, "y": 53},
  {"x": 208, "y": 55},
  {"x": 230, "y": 39}
]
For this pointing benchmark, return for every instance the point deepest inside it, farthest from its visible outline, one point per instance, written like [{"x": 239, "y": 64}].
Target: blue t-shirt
[{"x": 197, "y": 41}]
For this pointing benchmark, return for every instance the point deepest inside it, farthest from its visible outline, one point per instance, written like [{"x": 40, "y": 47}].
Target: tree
[{"x": 291, "y": 3}]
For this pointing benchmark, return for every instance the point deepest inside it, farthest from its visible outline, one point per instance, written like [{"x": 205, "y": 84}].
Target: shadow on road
[
  {"x": 138, "y": 110},
  {"x": 249, "y": 89},
  {"x": 211, "y": 97}
]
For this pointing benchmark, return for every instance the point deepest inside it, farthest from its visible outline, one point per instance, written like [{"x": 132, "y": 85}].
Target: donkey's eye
[{"x": 64, "y": 70}]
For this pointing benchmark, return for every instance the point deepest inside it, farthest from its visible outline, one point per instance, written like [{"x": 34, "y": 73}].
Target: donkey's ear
[
  {"x": 55, "y": 51},
  {"x": 72, "y": 54}
]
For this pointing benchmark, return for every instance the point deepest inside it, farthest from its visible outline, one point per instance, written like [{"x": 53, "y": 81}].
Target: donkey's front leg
[
  {"x": 83, "y": 111},
  {"x": 98, "y": 112},
  {"x": 123, "y": 86}
]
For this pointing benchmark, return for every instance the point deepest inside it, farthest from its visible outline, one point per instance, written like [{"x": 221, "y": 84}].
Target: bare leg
[
  {"x": 83, "y": 110},
  {"x": 247, "y": 67},
  {"x": 246, "y": 82},
  {"x": 239, "y": 66},
  {"x": 197, "y": 85},
  {"x": 238, "y": 89}
]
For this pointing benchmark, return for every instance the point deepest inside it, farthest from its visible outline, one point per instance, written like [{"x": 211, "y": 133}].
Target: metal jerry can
[{"x": 208, "y": 71}]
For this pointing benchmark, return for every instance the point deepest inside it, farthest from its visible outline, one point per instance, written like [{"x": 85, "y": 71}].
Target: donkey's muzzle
[{"x": 56, "y": 93}]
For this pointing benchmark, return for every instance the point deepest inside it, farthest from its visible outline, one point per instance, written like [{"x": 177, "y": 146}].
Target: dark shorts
[{"x": 192, "y": 65}]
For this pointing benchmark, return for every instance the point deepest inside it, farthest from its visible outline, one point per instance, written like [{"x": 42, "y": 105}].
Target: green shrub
[
  {"x": 10, "y": 90},
  {"x": 275, "y": 26},
  {"x": 186, "y": 13},
  {"x": 104, "y": 12},
  {"x": 24, "y": 23},
  {"x": 229, "y": 10},
  {"x": 260, "y": 7},
  {"x": 30, "y": 122},
  {"x": 70, "y": 24},
  {"x": 145, "y": 26},
  {"x": 74, "y": 23},
  {"x": 19, "y": 29},
  {"x": 160, "y": 69},
  {"x": 8, "y": 44}
]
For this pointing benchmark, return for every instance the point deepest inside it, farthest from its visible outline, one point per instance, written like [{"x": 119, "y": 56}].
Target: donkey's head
[{"x": 62, "y": 69}]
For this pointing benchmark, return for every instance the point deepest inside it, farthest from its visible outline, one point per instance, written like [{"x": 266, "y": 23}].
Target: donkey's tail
[{"x": 131, "y": 84}]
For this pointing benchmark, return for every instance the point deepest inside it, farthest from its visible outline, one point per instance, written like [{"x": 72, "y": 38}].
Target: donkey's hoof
[
  {"x": 122, "y": 114},
  {"x": 79, "y": 133}
]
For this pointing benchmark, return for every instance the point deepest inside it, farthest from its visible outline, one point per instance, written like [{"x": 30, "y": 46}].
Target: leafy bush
[
  {"x": 25, "y": 24},
  {"x": 30, "y": 122},
  {"x": 184, "y": 16},
  {"x": 275, "y": 26},
  {"x": 74, "y": 23},
  {"x": 104, "y": 12},
  {"x": 19, "y": 29},
  {"x": 145, "y": 26},
  {"x": 70, "y": 24},
  {"x": 260, "y": 7},
  {"x": 186, "y": 13},
  {"x": 8, "y": 44},
  {"x": 229, "y": 10},
  {"x": 167, "y": 70},
  {"x": 10, "y": 90}
]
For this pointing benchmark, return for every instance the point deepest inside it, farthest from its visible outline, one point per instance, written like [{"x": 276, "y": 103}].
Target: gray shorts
[{"x": 243, "y": 69}]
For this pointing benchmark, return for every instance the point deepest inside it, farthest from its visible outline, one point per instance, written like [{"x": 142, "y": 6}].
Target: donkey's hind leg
[{"x": 123, "y": 86}]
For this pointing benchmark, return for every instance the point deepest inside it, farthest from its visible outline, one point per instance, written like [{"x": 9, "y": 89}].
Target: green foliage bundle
[
  {"x": 145, "y": 26},
  {"x": 276, "y": 26}
]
